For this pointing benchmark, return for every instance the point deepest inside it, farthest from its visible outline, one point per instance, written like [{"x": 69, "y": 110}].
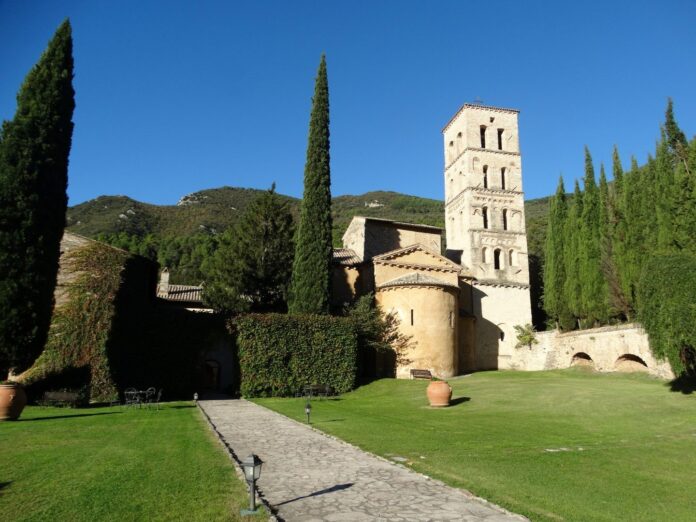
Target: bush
[
  {"x": 667, "y": 309},
  {"x": 280, "y": 354}
]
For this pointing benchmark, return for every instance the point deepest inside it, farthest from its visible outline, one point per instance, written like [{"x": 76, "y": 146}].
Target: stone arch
[
  {"x": 582, "y": 359},
  {"x": 630, "y": 363}
]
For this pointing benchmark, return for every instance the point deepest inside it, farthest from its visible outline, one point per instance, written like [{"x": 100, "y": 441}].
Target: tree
[
  {"x": 251, "y": 267},
  {"x": 676, "y": 139},
  {"x": 311, "y": 271},
  {"x": 34, "y": 150},
  {"x": 593, "y": 288},
  {"x": 572, "y": 285},
  {"x": 526, "y": 336},
  {"x": 554, "y": 267}
]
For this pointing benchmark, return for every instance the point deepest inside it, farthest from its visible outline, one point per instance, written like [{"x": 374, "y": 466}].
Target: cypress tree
[
  {"x": 676, "y": 140},
  {"x": 554, "y": 267},
  {"x": 34, "y": 151},
  {"x": 617, "y": 233},
  {"x": 251, "y": 268},
  {"x": 311, "y": 271},
  {"x": 610, "y": 280},
  {"x": 572, "y": 286},
  {"x": 634, "y": 235},
  {"x": 593, "y": 307}
]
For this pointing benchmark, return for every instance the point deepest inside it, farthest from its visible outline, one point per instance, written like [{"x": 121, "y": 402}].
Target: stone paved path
[{"x": 308, "y": 476}]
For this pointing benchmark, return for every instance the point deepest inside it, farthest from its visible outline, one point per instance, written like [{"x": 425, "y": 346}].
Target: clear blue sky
[{"x": 178, "y": 96}]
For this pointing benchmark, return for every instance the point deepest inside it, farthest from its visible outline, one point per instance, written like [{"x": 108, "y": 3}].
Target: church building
[{"x": 459, "y": 305}]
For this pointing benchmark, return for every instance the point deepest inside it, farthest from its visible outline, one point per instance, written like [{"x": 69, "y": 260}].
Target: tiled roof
[
  {"x": 345, "y": 257},
  {"x": 417, "y": 279},
  {"x": 182, "y": 293}
]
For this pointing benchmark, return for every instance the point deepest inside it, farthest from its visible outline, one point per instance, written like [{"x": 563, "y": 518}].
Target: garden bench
[
  {"x": 421, "y": 374},
  {"x": 60, "y": 398},
  {"x": 318, "y": 390}
]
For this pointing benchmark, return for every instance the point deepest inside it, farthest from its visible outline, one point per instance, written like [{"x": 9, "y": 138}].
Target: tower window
[
  {"x": 484, "y": 213},
  {"x": 483, "y": 136},
  {"x": 483, "y": 255},
  {"x": 451, "y": 144},
  {"x": 411, "y": 316},
  {"x": 451, "y": 318},
  {"x": 459, "y": 135},
  {"x": 502, "y": 178},
  {"x": 485, "y": 176},
  {"x": 505, "y": 219},
  {"x": 510, "y": 254},
  {"x": 500, "y": 139},
  {"x": 496, "y": 259}
]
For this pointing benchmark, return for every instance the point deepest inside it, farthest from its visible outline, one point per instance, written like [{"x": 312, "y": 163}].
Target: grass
[
  {"x": 562, "y": 445},
  {"x": 110, "y": 464}
]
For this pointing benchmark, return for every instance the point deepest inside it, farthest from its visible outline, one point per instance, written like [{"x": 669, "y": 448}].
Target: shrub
[
  {"x": 279, "y": 354},
  {"x": 667, "y": 309}
]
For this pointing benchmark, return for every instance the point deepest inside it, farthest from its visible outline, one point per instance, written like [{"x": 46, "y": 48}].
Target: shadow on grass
[
  {"x": 337, "y": 487},
  {"x": 685, "y": 384},
  {"x": 459, "y": 400},
  {"x": 68, "y": 416},
  {"x": 331, "y": 420},
  {"x": 178, "y": 407},
  {"x": 3, "y": 485}
]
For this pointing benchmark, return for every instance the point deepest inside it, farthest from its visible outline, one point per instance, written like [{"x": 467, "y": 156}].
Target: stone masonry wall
[{"x": 610, "y": 348}]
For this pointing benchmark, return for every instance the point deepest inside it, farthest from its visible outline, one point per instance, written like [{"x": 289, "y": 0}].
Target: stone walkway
[{"x": 308, "y": 476}]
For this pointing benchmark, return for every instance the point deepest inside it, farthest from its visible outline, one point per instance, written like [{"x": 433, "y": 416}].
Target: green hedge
[
  {"x": 279, "y": 354},
  {"x": 667, "y": 309}
]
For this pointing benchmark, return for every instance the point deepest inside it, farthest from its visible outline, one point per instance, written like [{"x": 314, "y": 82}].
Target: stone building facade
[{"x": 459, "y": 305}]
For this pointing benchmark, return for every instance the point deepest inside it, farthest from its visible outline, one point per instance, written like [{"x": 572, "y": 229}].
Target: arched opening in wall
[
  {"x": 630, "y": 363},
  {"x": 484, "y": 252},
  {"x": 511, "y": 258},
  {"x": 211, "y": 375},
  {"x": 483, "y": 136},
  {"x": 496, "y": 259},
  {"x": 500, "y": 139},
  {"x": 505, "y": 219},
  {"x": 582, "y": 359},
  {"x": 485, "y": 176},
  {"x": 502, "y": 178},
  {"x": 484, "y": 214}
]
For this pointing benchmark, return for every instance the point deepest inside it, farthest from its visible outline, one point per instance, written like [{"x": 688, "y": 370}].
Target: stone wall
[{"x": 610, "y": 348}]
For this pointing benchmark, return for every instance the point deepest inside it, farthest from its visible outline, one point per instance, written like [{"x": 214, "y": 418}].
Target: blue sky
[{"x": 178, "y": 96}]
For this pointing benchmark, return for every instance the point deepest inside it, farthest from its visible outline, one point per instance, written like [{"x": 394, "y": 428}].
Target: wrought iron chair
[{"x": 131, "y": 397}]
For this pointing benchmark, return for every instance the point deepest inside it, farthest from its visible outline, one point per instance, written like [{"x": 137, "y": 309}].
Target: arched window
[
  {"x": 483, "y": 136},
  {"x": 505, "y": 219},
  {"x": 485, "y": 176},
  {"x": 484, "y": 213},
  {"x": 511, "y": 258},
  {"x": 502, "y": 178},
  {"x": 483, "y": 255},
  {"x": 496, "y": 259},
  {"x": 500, "y": 139}
]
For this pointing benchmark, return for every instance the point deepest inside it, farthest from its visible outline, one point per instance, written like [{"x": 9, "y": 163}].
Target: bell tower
[
  {"x": 484, "y": 202},
  {"x": 485, "y": 226}
]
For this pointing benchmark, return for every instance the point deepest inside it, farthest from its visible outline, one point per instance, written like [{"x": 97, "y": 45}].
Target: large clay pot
[
  {"x": 439, "y": 394},
  {"x": 12, "y": 401}
]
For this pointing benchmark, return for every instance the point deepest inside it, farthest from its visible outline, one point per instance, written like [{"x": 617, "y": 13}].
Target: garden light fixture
[
  {"x": 252, "y": 471},
  {"x": 308, "y": 410},
  {"x": 195, "y": 397}
]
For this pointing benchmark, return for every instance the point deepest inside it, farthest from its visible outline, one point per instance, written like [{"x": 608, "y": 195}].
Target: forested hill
[{"x": 171, "y": 233}]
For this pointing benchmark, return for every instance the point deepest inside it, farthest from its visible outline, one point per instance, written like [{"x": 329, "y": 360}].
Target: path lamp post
[
  {"x": 195, "y": 397},
  {"x": 252, "y": 472},
  {"x": 308, "y": 410}
]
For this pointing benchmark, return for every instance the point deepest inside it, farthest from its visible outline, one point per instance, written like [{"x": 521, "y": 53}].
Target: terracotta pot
[
  {"x": 439, "y": 393},
  {"x": 12, "y": 401}
]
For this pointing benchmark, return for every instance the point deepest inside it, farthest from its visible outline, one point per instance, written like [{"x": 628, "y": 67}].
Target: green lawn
[
  {"x": 114, "y": 464},
  {"x": 563, "y": 445}
]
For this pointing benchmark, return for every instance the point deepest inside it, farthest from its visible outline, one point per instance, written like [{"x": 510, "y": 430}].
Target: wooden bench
[
  {"x": 60, "y": 398},
  {"x": 421, "y": 374}
]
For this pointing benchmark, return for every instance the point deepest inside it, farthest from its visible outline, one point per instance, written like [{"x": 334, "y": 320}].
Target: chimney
[{"x": 163, "y": 286}]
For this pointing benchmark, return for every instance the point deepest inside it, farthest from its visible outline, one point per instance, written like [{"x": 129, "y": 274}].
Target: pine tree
[
  {"x": 250, "y": 269},
  {"x": 593, "y": 287},
  {"x": 554, "y": 267},
  {"x": 34, "y": 150},
  {"x": 572, "y": 285},
  {"x": 311, "y": 273}
]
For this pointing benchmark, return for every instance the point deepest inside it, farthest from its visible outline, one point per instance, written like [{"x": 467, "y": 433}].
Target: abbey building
[{"x": 458, "y": 304}]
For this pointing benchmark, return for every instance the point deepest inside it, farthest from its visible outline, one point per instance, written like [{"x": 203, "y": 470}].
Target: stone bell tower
[{"x": 485, "y": 226}]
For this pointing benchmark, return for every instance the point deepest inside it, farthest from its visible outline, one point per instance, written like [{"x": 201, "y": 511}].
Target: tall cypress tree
[
  {"x": 555, "y": 303},
  {"x": 676, "y": 139},
  {"x": 311, "y": 271},
  {"x": 34, "y": 150},
  {"x": 610, "y": 279},
  {"x": 592, "y": 286},
  {"x": 572, "y": 285},
  {"x": 617, "y": 233}
]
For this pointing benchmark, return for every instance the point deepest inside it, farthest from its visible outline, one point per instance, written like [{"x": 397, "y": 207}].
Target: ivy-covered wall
[{"x": 107, "y": 332}]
